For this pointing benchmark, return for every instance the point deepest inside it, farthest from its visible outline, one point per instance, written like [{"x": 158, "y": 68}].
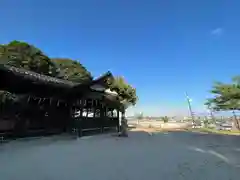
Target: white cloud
[{"x": 217, "y": 31}]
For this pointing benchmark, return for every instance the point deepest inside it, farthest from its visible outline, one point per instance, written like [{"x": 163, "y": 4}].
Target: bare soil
[{"x": 152, "y": 130}]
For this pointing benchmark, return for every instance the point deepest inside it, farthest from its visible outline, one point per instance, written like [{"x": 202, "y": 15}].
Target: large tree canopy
[
  {"x": 226, "y": 97},
  {"x": 23, "y": 55},
  {"x": 125, "y": 91},
  {"x": 72, "y": 70}
]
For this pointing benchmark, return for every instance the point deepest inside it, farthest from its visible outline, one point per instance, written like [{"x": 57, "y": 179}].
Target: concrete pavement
[{"x": 168, "y": 156}]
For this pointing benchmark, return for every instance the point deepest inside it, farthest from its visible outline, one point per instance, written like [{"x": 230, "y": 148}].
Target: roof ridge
[{"x": 35, "y": 75}]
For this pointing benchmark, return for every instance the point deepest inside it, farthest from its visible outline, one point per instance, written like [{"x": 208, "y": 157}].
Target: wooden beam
[
  {"x": 58, "y": 102},
  {"x": 29, "y": 98},
  {"x": 40, "y": 100}
]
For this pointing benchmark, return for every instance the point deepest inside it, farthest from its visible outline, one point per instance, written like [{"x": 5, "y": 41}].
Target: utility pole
[{"x": 189, "y": 106}]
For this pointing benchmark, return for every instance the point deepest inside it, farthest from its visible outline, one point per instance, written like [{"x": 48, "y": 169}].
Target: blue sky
[{"x": 163, "y": 48}]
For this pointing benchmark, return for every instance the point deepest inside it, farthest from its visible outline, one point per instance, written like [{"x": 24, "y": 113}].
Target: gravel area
[{"x": 167, "y": 156}]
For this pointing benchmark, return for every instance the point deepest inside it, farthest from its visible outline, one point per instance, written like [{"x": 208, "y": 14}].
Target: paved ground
[{"x": 172, "y": 156}]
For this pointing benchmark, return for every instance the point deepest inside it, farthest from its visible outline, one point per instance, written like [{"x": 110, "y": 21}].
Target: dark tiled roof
[
  {"x": 100, "y": 80},
  {"x": 17, "y": 79},
  {"x": 112, "y": 100},
  {"x": 30, "y": 75}
]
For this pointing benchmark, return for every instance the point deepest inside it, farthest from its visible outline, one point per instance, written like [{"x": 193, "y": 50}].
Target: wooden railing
[
  {"x": 93, "y": 123},
  {"x": 7, "y": 127}
]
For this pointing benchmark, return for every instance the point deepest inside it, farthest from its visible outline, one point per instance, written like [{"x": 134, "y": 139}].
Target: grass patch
[{"x": 209, "y": 130}]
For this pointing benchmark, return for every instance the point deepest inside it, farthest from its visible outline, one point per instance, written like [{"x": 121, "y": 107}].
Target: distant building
[{"x": 225, "y": 126}]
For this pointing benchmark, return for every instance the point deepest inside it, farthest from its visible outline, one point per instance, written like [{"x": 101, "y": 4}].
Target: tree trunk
[{"x": 236, "y": 121}]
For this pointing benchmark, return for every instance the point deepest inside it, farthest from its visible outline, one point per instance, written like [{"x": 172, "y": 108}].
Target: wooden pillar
[
  {"x": 103, "y": 111},
  {"x": 118, "y": 125},
  {"x": 123, "y": 125},
  {"x": 79, "y": 121}
]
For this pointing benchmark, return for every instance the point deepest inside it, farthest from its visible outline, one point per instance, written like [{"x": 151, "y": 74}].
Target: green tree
[
  {"x": 23, "y": 55},
  {"x": 125, "y": 91},
  {"x": 226, "y": 98},
  {"x": 206, "y": 122},
  {"x": 165, "y": 119},
  {"x": 72, "y": 70}
]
